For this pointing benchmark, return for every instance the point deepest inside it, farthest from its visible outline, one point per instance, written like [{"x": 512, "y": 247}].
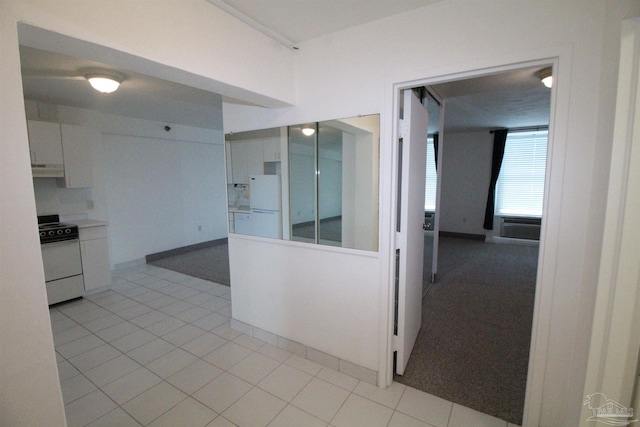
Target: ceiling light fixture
[
  {"x": 308, "y": 130},
  {"x": 104, "y": 83},
  {"x": 546, "y": 76}
]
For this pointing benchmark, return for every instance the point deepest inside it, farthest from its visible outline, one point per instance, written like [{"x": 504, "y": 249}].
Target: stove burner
[{"x": 51, "y": 230}]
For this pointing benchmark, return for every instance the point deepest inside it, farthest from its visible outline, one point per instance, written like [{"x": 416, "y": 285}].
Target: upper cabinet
[
  {"x": 246, "y": 160},
  {"x": 61, "y": 151},
  {"x": 253, "y": 153},
  {"x": 45, "y": 148},
  {"x": 271, "y": 149},
  {"x": 76, "y": 148}
]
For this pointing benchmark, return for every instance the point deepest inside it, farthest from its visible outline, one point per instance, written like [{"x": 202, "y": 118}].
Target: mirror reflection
[{"x": 323, "y": 182}]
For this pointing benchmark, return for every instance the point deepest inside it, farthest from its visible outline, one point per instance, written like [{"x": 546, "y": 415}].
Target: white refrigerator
[{"x": 265, "y": 201}]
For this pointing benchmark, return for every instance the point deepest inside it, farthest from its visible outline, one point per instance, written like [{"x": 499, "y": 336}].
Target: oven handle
[{"x": 61, "y": 240}]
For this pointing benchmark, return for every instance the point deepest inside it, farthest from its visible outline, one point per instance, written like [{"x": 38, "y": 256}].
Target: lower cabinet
[{"x": 94, "y": 249}]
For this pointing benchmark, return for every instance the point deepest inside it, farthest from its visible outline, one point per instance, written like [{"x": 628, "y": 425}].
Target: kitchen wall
[
  {"x": 157, "y": 190},
  {"x": 466, "y": 172},
  {"x": 197, "y": 51}
]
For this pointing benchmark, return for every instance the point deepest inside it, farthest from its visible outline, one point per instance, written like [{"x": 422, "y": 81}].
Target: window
[
  {"x": 520, "y": 187},
  {"x": 430, "y": 185}
]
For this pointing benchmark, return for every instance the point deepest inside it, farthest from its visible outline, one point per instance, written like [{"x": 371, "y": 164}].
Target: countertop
[{"x": 86, "y": 223}]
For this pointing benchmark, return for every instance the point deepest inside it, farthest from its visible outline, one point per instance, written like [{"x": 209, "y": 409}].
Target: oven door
[
  {"x": 61, "y": 259},
  {"x": 62, "y": 270}
]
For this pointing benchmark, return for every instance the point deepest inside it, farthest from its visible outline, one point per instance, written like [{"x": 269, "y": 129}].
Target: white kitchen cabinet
[
  {"x": 239, "y": 162},
  {"x": 271, "y": 149},
  {"x": 61, "y": 151},
  {"x": 246, "y": 160},
  {"x": 227, "y": 155},
  {"x": 76, "y": 148},
  {"x": 45, "y": 148},
  {"x": 94, "y": 251},
  {"x": 255, "y": 162},
  {"x": 242, "y": 223}
]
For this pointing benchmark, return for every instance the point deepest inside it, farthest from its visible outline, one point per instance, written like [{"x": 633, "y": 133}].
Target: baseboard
[
  {"x": 179, "y": 251},
  {"x": 348, "y": 368},
  {"x": 325, "y": 220},
  {"x": 129, "y": 264},
  {"x": 479, "y": 237},
  {"x": 512, "y": 241}
]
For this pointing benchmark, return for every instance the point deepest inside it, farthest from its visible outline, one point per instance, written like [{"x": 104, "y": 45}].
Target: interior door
[
  {"x": 436, "y": 217},
  {"x": 412, "y": 151}
]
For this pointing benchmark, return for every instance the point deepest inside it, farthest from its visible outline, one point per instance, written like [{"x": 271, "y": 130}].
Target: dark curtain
[
  {"x": 499, "y": 139},
  {"x": 435, "y": 148}
]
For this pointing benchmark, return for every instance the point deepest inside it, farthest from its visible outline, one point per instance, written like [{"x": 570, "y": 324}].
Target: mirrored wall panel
[{"x": 315, "y": 183}]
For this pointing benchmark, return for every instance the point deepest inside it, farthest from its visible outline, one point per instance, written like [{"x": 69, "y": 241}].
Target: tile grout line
[{"x": 120, "y": 295}]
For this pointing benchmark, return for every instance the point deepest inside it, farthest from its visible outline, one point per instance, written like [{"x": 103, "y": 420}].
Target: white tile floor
[{"x": 157, "y": 350}]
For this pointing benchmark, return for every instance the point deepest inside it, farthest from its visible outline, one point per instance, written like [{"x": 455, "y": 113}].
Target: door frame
[
  {"x": 559, "y": 57},
  {"x": 613, "y": 354}
]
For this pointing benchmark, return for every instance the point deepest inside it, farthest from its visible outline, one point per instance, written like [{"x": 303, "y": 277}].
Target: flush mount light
[
  {"x": 546, "y": 76},
  {"x": 308, "y": 130},
  {"x": 104, "y": 83}
]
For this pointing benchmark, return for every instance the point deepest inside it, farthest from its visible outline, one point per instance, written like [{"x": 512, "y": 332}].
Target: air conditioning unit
[
  {"x": 520, "y": 228},
  {"x": 429, "y": 218}
]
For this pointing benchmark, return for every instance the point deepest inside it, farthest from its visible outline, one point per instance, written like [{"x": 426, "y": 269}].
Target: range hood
[{"x": 47, "y": 170}]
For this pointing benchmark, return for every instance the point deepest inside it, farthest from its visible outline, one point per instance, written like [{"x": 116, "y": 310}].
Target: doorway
[{"x": 475, "y": 274}]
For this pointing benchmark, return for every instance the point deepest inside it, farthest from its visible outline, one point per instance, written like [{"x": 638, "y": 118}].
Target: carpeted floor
[
  {"x": 330, "y": 229},
  {"x": 210, "y": 263},
  {"x": 473, "y": 347}
]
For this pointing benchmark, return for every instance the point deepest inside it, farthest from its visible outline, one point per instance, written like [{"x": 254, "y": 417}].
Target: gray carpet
[
  {"x": 330, "y": 229},
  {"x": 210, "y": 263},
  {"x": 473, "y": 347}
]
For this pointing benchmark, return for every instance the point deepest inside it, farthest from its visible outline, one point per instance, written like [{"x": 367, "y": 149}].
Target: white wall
[
  {"x": 203, "y": 41},
  {"x": 335, "y": 80},
  {"x": 466, "y": 172},
  {"x": 306, "y": 302},
  {"x": 154, "y": 188},
  {"x": 160, "y": 192},
  {"x": 329, "y": 184},
  {"x": 30, "y": 391},
  {"x": 302, "y": 197}
]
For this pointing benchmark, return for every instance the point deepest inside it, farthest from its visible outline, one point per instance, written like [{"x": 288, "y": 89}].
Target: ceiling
[
  {"x": 510, "y": 99},
  {"x": 296, "y": 21},
  {"x": 59, "y": 79}
]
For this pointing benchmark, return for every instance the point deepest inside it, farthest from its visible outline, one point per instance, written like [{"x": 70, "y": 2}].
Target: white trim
[
  {"x": 561, "y": 59},
  {"x": 615, "y": 338}
]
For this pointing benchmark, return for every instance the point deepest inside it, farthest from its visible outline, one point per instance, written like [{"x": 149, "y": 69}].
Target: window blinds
[
  {"x": 520, "y": 187},
  {"x": 431, "y": 179}
]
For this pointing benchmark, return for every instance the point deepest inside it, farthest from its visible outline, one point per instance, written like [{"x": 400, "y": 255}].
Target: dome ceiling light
[
  {"x": 308, "y": 130},
  {"x": 104, "y": 83},
  {"x": 546, "y": 76}
]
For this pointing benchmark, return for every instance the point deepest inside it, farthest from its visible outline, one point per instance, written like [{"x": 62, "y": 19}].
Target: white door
[{"x": 412, "y": 151}]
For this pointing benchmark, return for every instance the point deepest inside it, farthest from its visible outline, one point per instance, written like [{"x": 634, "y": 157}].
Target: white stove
[{"x": 61, "y": 259}]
